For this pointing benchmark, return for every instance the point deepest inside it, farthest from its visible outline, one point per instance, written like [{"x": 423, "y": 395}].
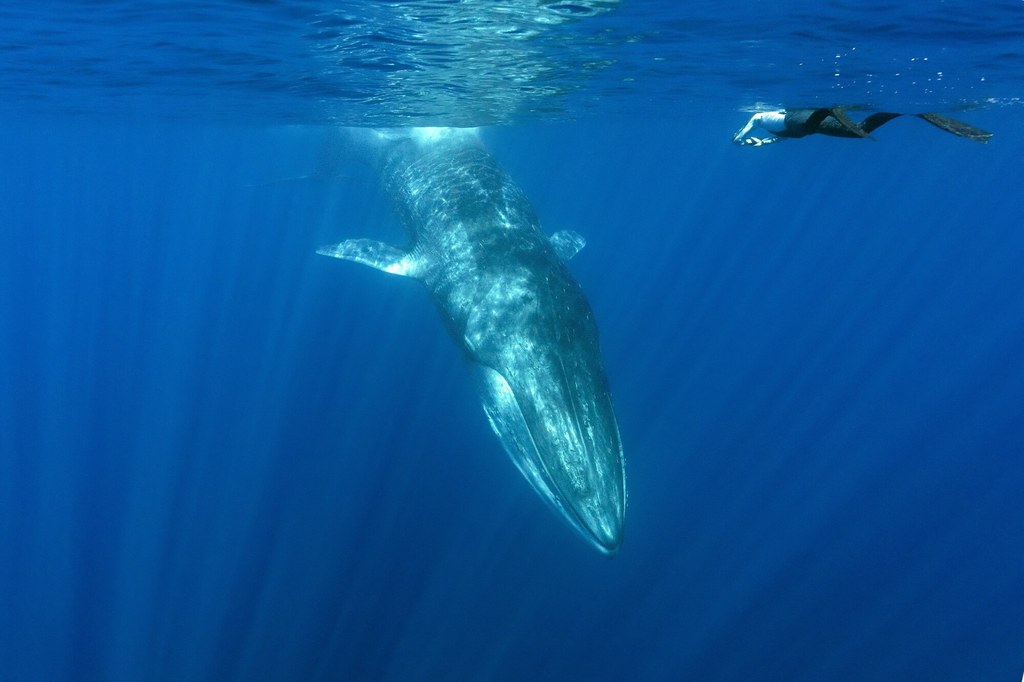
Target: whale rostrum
[{"x": 507, "y": 298}]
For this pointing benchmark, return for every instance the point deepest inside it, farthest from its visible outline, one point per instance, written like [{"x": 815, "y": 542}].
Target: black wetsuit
[
  {"x": 835, "y": 122},
  {"x": 802, "y": 122}
]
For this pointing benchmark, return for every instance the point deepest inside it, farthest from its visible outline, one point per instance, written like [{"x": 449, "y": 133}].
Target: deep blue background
[{"x": 225, "y": 457}]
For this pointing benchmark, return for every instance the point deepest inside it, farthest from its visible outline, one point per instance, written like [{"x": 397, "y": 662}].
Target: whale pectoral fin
[
  {"x": 567, "y": 243},
  {"x": 373, "y": 253}
]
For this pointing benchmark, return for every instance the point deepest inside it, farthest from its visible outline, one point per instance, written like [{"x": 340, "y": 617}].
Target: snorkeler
[{"x": 834, "y": 121}]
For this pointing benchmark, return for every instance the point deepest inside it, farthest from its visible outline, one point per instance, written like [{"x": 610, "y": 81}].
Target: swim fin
[{"x": 951, "y": 125}]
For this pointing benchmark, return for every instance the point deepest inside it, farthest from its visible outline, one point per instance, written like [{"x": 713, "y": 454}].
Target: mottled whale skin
[{"x": 508, "y": 300}]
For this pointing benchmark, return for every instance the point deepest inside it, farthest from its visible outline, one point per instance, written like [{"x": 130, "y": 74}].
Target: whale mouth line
[{"x": 560, "y": 498}]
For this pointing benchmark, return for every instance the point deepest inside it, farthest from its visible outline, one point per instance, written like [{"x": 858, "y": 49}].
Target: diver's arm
[
  {"x": 772, "y": 121},
  {"x": 738, "y": 137}
]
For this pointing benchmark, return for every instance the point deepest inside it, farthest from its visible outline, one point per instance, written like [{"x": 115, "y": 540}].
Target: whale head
[
  {"x": 565, "y": 441},
  {"x": 548, "y": 401}
]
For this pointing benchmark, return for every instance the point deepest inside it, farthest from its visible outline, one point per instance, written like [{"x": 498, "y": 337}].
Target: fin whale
[{"x": 507, "y": 298}]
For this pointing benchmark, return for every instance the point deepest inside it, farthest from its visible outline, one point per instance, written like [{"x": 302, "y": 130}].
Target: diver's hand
[
  {"x": 748, "y": 141},
  {"x": 756, "y": 141}
]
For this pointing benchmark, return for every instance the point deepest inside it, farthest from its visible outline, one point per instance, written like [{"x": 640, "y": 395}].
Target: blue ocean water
[{"x": 225, "y": 457}]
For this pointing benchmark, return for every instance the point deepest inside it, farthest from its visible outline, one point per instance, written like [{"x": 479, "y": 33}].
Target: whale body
[{"x": 508, "y": 300}]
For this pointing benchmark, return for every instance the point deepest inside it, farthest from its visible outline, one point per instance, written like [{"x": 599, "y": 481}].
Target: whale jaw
[{"x": 560, "y": 431}]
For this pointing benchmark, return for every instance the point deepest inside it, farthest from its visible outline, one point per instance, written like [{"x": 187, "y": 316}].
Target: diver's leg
[
  {"x": 812, "y": 123},
  {"x": 847, "y": 123},
  {"x": 827, "y": 121},
  {"x": 875, "y": 120}
]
